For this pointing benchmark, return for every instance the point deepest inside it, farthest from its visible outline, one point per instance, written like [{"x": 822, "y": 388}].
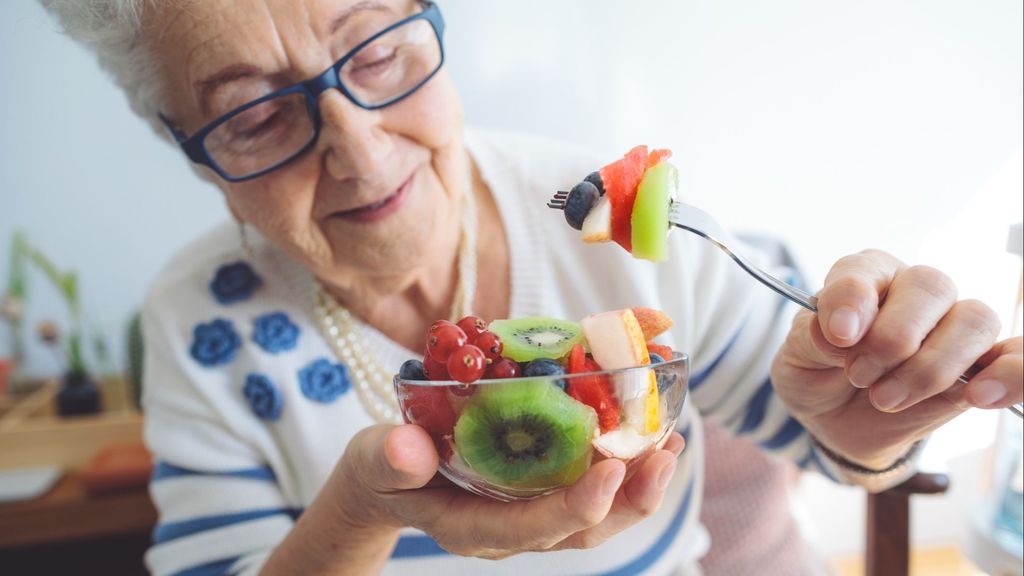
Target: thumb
[{"x": 388, "y": 458}]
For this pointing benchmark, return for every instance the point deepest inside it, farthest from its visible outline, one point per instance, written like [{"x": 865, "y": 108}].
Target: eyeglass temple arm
[{"x": 178, "y": 135}]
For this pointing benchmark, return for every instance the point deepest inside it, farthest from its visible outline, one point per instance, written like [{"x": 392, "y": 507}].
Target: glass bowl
[{"x": 520, "y": 438}]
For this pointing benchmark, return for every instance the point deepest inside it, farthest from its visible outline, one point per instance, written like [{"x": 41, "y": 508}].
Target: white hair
[{"x": 113, "y": 30}]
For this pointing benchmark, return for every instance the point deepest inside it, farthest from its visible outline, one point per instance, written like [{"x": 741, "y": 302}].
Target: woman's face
[{"x": 378, "y": 191}]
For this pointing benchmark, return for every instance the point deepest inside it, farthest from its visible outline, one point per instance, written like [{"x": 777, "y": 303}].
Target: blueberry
[
  {"x": 581, "y": 200},
  {"x": 665, "y": 380},
  {"x": 545, "y": 367},
  {"x": 656, "y": 358},
  {"x": 595, "y": 179},
  {"x": 412, "y": 370}
]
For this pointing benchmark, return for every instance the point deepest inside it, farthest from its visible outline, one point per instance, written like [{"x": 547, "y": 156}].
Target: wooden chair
[{"x": 887, "y": 552}]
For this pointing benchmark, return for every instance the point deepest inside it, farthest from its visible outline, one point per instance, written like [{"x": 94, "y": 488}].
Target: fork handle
[{"x": 789, "y": 291}]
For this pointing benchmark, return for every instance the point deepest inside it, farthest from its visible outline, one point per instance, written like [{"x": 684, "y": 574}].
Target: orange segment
[{"x": 652, "y": 423}]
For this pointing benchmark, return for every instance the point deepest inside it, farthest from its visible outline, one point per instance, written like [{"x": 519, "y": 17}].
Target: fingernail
[
  {"x": 666, "y": 475},
  {"x": 864, "y": 372},
  {"x": 612, "y": 482},
  {"x": 889, "y": 395},
  {"x": 844, "y": 323},
  {"x": 987, "y": 392}
]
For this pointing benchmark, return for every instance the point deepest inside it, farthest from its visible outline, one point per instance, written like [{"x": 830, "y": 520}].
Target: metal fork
[{"x": 699, "y": 222}]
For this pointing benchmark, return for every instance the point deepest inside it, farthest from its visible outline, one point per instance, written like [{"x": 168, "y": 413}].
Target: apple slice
[
  {"x": 615, "y": 339},
  {"x": 597, "y": 226}
]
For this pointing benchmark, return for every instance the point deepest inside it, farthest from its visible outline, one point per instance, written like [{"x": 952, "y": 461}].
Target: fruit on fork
[{"x": 626, "y": 201}]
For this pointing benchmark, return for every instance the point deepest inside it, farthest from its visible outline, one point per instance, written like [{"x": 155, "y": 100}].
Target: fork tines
[{"x": 558, "y": 200}]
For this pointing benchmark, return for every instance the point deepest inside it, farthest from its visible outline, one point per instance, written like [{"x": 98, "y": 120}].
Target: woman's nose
[{"x": 353, "y": 143}]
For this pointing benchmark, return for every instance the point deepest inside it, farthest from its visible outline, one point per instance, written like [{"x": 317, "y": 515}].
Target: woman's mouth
[{"x": 379, "y": 209}]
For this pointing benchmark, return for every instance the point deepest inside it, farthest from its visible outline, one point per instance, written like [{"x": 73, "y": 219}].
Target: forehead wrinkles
[{"x": 196, "y": 39}]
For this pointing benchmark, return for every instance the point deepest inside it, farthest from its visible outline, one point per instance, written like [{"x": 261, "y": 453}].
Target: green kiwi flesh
[
  {"x": 526, "y": 434},
  {"x": 530, "y": 338},
  {"x": 650, "y": 212}
]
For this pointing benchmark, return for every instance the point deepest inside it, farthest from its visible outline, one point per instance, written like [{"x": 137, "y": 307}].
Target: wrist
[
  {"x": 875, "y": 474},
  {"x": 340, "y": 533}
]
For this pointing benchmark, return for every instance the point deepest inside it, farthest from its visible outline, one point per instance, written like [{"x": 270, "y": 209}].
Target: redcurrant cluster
[{"x": 466, "y": 352}]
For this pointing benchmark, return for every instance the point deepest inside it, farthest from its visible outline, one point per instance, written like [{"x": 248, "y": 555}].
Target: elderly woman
[{"x": 364, "y": 213}]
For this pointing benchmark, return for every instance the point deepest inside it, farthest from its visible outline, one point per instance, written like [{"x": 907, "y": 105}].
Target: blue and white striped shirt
[{"x": 243, "y": 444}]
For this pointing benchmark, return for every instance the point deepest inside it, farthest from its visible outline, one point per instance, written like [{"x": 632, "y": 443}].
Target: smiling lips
[{"x": 379, "y": 209}]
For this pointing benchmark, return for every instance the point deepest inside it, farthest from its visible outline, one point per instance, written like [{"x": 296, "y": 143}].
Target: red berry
[
  {"x": 442, "y": 338},
  {"x": 466, "y": 364},
  {"x": 491, "y": 344},
  {"x": 428, "y": 407},
  {"x": 503, "y": 368},
  {"x": 435, "y": 370},
  {"x": 473, "y": 326},
  {"x": 463, "y": 389}
]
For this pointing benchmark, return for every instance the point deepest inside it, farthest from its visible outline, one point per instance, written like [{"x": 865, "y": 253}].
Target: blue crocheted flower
[
  {"x": 275, "y": 332},
  {"x": 215, "y": 342},
  {"x": 264, "y": 398},
  {"x": 234, "y": 282},
  {"x": 323, "y": 381}
]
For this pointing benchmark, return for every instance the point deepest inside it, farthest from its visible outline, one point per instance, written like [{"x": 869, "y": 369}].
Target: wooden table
[
  {"x": 68, "y": 512},
  {"x": 68, "y": 530}
]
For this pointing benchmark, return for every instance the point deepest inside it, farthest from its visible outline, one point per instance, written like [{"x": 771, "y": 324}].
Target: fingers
[
  {"x": 472, "y": 525},
  {"x": 639, "y": 498},
  {"x": 999, "y": 384},
  {"x": 965, "y": 333},
  {"x": 675, "y": 444},
  {"x": 597, "y": 506},
  {"x": 918, "y": 299},
  {"x": 848, "y": 303},
  {"x": 904, "y": 334},
  {"x": 390, "y": 458}
]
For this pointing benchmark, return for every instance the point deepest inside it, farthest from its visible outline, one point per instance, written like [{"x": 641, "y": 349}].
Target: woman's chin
[{"x": 401, "y": 241}]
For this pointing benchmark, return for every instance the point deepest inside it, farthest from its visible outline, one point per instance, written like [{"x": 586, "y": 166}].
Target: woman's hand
[
  {"x": 388, "y": 479},
  {"x": 389, "y": 476},
  {"x": 876, "y": 369}
]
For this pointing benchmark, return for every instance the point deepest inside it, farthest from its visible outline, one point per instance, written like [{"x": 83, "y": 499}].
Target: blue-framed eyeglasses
[{"x": 267, "y": 133}]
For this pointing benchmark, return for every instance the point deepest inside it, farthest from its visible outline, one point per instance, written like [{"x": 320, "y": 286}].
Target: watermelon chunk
[
  {"x": 621, "y": 179},
  {"x": 658, "y": 156},
  {"x": 594, "y": 391}
]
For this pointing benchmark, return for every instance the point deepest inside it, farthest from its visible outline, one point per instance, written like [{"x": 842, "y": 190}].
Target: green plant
[{"x": 66, "y": 283}]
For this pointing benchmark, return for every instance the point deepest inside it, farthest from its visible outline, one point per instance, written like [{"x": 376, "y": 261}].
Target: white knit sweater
[{"x": 244, "y": 438}]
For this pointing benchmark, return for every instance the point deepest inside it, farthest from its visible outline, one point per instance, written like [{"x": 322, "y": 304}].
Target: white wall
[{"x": 837, "y": 125}]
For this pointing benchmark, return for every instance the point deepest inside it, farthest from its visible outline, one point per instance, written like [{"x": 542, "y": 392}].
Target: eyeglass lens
[{"x": 386, "y": 69}]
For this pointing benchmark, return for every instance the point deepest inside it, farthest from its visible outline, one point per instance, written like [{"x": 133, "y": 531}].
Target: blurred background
[{"x": 835, "y": 126}]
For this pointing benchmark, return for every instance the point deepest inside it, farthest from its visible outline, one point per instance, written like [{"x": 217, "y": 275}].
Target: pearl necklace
[{"x": 344, "y": 331}]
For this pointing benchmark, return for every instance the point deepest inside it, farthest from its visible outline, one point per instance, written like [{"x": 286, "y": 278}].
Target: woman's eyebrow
[
  {"x": 209, "y": 85},
  {"x": 347, "y": 13}
]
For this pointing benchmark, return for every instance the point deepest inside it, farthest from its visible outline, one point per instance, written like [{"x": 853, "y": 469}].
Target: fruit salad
[
  {"x": 522, "y": 407},
  {"x": 627, "y": 201}
]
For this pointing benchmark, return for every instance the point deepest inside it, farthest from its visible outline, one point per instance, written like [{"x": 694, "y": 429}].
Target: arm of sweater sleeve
[
  {"x": 735, "y": 326},
  {"x": 220, "y": 507}
]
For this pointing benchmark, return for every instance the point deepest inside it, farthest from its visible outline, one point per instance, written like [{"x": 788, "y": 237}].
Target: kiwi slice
[
  {"x": 530, "y": 338},
  {"x": 525, "y": 435},
  {"x": 650, "y": 212}
]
